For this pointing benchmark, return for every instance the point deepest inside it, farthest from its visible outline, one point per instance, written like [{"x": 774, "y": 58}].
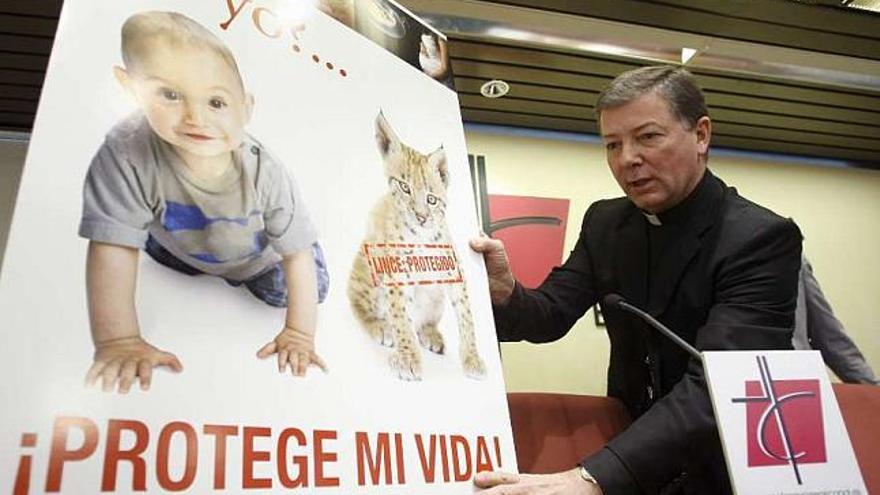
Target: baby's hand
[
  {"x": 126, "y": 359},
  {"x": 295, "y": 348}
]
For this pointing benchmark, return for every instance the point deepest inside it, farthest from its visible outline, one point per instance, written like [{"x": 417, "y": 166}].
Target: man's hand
[
  {"x": 564, "y": 483},
  {"x": 126, "y": 359},
  {"x": 501, "y": 281},
  {"x": 294, "y": 348}
]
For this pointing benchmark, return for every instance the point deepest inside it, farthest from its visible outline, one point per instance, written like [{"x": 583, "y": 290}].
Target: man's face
[
  {"x": 655, "y": 159},
  {"x": 191, "y": 97}
]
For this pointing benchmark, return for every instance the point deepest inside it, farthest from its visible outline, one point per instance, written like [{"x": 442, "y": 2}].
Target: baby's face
[{"x": 192, "y": 98}]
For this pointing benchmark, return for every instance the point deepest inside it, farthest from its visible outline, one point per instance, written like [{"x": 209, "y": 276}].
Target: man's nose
[{"x": 630, "y": 154}]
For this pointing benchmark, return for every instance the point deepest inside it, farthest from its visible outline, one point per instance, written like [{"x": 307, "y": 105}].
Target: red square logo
[
  {"x": 784, "y": 424},
  {"x": 533, "y": 231}
]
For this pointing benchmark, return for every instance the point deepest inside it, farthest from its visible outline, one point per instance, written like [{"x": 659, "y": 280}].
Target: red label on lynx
[{"x": 412, "y": 264}]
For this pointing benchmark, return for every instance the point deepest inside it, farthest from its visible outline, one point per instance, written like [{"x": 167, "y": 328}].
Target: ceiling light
[
  {"x": 687, "y": 54},
  {"x": 495, "y": 88}
]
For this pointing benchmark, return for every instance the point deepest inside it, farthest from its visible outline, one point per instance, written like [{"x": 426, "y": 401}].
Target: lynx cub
[{"x": 413, "y": 210}]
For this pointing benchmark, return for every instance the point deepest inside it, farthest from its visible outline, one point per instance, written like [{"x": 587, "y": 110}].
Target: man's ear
[
  {"x": 703, "y": 130},
  {"x": 122, "y": 77}
]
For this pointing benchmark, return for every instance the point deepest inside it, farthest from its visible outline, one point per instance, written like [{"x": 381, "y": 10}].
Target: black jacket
[{"x": 721, "y": 272}]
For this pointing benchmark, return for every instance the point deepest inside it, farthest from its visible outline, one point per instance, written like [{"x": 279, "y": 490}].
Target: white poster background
[
  {"x": 727, "y": 373},
  {"x": 321, "y": 126}
]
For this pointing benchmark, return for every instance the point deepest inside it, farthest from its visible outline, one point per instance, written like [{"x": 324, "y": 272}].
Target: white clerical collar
[{"x": 652, "y": 218}]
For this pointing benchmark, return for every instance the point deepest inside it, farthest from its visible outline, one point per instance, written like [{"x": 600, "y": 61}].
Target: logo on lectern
[{"x": 783, "y": 421}]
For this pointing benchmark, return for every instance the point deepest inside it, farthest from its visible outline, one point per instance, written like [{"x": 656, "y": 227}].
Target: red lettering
[
  {"x": 257, "y": 15},
  {"x": 250, "y": 456},
  {"x": 301, "y": 462},
  {"x": 462, "y": 471},
  {"x": 321, "y": 457},
  {"x": 113, "y": 455},
  {"x": 59, "y": 453},
  {"x": 178, "y": 445},
  {"x": 484, "y": 461},
  {"x": 428, "y": 462},
  {"x": 233, "y": 13},
  {"x": 497, "y": 451},
  {"x": 389, "y": 264},
  {"x": 23, "y": 474},
  {"x": 364, "y": 456},
  {"x": 398, "y": 447},
  {"x": 444, "y": 457},
  {"x": 162, "y": 455},
  {"x": 380, "y": 265},
  {"x": 220, "y": 432},
  {"x": 296, "y": 29}
]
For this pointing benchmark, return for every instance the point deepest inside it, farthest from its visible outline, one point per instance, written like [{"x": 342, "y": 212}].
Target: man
[
  {"x": 816, "y": 327},
  {"x": 717, "y": 269}
]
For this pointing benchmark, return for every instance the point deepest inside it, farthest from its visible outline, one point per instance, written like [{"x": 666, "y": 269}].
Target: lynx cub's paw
[
  {"x": 431, "y": 338},
  {"x": 381, "y": 332},
  {"x": 407, "y": 363},
  {"x": 473, "y": 365}
]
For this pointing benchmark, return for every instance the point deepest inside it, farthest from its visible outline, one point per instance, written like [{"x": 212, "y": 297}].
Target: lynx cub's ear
[
  {"x": 386, "y": 139},
  {"x": 437, "y": 160}
]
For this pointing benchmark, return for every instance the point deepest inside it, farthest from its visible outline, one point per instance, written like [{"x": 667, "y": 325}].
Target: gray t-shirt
[{"x": 233, "y": 226}]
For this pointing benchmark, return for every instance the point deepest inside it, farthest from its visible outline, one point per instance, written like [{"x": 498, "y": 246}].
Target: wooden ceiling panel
[
  {"x": 40, "y": 27},
  {"x": 820, "y": 110},
  {"x": 25, "y": 107},
  {"x": 23, "y": 61},
  {"x": 490, "y": 70},
  {"x": 22, "y": 92},
  {"x": 549, "y": 123},
  {"x": 552, "y": 89},
  {"x": 514, "y": 56},
  {"x": 32, "y": 8},
  {"x": 470, "y": 85},
  {"x": 22, "y": 77},
  {"x": 525, "y": 106},
  {"x": 788, "y": 91},
  {"x": 32, "y": 45},
  {"x": 532, "y": 57},
  {"x": 868, "y": 159},
  {"x": 855, "y": 34},
  {"x": 782, "y": 12},
  {"x": 754, "y": 118},
  {"x": 18, "y": 122},
  {"x": 793, "y": 136}
]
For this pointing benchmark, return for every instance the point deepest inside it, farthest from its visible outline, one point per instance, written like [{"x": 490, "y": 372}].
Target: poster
[{"x": 325, "y": 142}]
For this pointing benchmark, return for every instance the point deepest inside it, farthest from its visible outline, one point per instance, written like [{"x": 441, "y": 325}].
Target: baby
[{"x": 182, "y": 180}]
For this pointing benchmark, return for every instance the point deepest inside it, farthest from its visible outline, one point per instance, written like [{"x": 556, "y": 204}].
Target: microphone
[{"x": 617, "y": 301}]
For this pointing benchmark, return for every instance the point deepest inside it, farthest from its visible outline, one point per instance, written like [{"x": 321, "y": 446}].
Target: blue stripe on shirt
[{"x": 190, "y": 217}]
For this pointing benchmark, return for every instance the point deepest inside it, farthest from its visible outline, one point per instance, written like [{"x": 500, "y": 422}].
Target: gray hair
[{"x": 677, "y": 86}]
